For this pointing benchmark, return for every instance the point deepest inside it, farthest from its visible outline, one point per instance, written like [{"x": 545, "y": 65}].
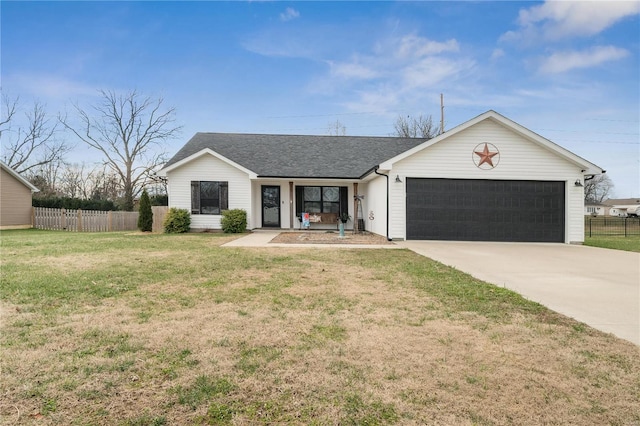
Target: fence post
[
  {"x": 63, "y": 217},
  {"x": 590, "y": 222},
  {"x": 79, "y": 220},
  {"x": 625, "y": 227},
  {"x": 109, "y": 221}
]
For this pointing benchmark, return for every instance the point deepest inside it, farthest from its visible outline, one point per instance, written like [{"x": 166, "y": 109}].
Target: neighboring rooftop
[
  {"x": 621, "y": 201},
  {"x": 300, "y": 156}
]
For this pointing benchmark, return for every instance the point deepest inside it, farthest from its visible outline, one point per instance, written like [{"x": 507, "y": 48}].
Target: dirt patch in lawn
[{"x": 330, "y": 237}]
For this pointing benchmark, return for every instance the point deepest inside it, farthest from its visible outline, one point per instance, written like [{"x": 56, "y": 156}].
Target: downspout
[{"x": 387, "y": 176}]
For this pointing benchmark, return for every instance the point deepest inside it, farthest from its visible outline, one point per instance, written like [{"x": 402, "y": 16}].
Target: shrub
[
  {"x": 73, "y": 203},
  {"x": 145, "y": 216},
  {"x": 234, "y": 221},
  {"x": 159, "y": 200},
  {"x": 177, "y": 221}
]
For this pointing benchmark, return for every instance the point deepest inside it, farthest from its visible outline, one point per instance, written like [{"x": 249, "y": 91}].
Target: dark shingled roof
[{"x": 296, "y": 156}]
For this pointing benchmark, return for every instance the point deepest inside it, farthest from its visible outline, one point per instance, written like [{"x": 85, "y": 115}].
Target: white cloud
[
  {"x": 418, "y": 47},
  {"x": 556, "y": 20},
  {"x": 289, "y": 14},
  {"x": 50, "y": 86},
  {"x": 564, "y": 61},
  {"x": 397, "y": 69},
  {"x": 275, "y": 45},
  {"x": 353, "y": 70},
  {"x": 412, "y": 59},
  {"x": 430, "y": 72},
  {"x": 496, "y": 54}
]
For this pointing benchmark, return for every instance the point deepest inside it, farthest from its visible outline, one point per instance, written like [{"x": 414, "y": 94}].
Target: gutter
[{"x": 387, "y": 176}]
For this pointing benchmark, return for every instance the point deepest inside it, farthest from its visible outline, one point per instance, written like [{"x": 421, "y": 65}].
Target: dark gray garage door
[{"x": 485, "y": 210}]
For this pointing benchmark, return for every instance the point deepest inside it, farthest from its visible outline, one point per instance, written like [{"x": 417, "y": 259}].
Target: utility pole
[{"x": 441, "y": 113}]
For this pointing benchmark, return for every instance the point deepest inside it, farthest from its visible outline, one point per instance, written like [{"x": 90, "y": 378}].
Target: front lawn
[
  {"x": 137, "y": 329},
  {"x": 631, "y": 243}
]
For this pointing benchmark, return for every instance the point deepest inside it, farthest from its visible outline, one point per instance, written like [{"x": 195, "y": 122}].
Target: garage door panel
[{"x": 485, "y": 210}]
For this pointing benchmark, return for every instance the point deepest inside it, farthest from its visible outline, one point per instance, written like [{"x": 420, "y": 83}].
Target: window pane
[
  {"x": 209, "y": 198},
  {"x": 208, "y": 189},
  {"x": 312, "y": 193},
  {"x": 331, "y": 207},
  {"x": 312, "y": 207},
  {"x": 331, "y": 193}
]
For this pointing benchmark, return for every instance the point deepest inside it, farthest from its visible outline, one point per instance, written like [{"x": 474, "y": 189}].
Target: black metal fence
[{"x": 612, "y": 226}]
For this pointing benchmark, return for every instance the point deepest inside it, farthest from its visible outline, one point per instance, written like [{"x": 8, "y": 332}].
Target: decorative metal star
[{"x": 485, "y": 156}]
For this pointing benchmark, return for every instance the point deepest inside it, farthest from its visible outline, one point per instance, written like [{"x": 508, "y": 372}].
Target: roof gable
[
  {"x": 588, "y": 167},
  {"x": 19, "y": 178},
  {"x": 205, "y": 151}
]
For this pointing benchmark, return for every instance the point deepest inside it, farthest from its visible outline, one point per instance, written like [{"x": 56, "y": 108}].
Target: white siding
[
  {"x": 520, "y": 159},
  {"x": 209, "y": 168},
  {"x": 376, "y": 206}
]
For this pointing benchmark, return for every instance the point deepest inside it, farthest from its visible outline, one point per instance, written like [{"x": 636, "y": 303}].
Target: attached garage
[
  {"x": 489, "y": 179},
  {"x": 485, "y": 210}
]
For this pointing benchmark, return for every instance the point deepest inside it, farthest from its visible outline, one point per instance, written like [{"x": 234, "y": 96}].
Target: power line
[
  {"x": 592, "y": 141},
  {"x": 332, "y": 114},
  {"x": 592, "y": 131},
  {"x": 612, "y": 119}
]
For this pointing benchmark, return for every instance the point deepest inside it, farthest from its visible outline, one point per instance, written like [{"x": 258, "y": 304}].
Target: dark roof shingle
[{"x": 300, "y": 156}]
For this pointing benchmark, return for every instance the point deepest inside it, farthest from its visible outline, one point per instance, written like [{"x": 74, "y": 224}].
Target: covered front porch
[{"x": 279, "y": 204}]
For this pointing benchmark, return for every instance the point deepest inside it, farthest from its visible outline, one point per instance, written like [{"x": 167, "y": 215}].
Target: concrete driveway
[{"x": 599, "y": 287}]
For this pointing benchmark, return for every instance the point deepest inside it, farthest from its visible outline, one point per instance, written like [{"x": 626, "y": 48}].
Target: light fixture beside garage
[
  {"x": 577, "y": 182},
  {"x": 398, "y": 180}
]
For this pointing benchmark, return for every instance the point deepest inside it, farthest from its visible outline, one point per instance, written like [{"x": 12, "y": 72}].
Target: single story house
[
  {"x": 488, "y": 179},
  {"x": 15, "y": 199},
  {"x": 623, "y": 207},
  {"x": 596, "y": 209}
]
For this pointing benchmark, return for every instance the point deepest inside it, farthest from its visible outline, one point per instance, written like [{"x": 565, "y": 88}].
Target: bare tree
[
  {"x": 127, "y": 129},
  {"x": 598, "y": 189},
  {"x": 79, "y": 181},
  {"x": 45, "y": 177},
  {"x": 336, "y": 128},
  {"x": 106, "y": 186},
  {"x": 411, "y": 127},
  {"x": 34, "y": 145}
]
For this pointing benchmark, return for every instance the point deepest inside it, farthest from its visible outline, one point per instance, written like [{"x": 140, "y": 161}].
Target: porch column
[
  {"x": 290, "y": 205},
  {"x": 355, "y": 207}
]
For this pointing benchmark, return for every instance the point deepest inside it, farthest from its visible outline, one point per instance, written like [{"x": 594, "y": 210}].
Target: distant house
[
  {"x": 596, "y": 209},
  {"x": 623, "y": 206},
  {"x": 488, "y": 179},
  {"x": 15, "y": 199}
]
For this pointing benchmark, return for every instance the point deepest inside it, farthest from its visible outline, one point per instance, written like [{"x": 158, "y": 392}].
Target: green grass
[
  {"x": 203, "y": 389},
  {"x": 631, "y": 243},
  {"x": 129, "y": 329}
]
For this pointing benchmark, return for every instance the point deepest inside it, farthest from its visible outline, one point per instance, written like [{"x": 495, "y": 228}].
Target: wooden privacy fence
[
  {"x": 159, "y": 212},
  {"x": 84, "y": 220}
]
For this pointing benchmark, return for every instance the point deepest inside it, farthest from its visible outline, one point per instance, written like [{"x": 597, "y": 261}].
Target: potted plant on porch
[{"x": 343, "y": 218}]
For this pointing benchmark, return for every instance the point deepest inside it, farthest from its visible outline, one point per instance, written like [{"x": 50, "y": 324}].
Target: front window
[
  {"x": 321, "y": 199},
  {"x": 209, "y": 197}
]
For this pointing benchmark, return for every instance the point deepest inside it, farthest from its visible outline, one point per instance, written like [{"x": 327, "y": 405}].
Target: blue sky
[{"x": 566, "y": 70}]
